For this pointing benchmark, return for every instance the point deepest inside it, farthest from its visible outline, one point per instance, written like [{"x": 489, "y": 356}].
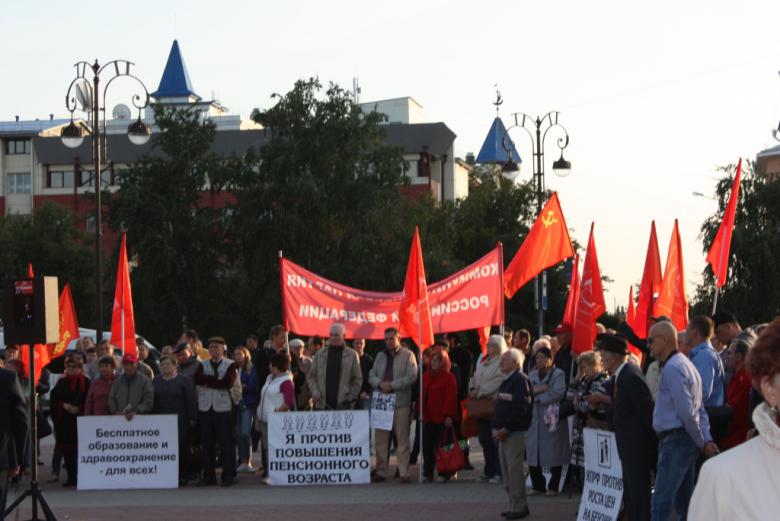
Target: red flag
[
  {"x": 718, "y": 256},
  {"x": 570, "y": 312},
  {"x": 631, "y": 321},
  {"x": 415, "y": 311},
  {"x": 547, "y": 243},
  {"x": 123, "y": 319},
  {"x": 30, "y": 272},
  {"x": 69, "y": 326},
  {"x": 590, "y": 304},
  {"x": 484, "y": 336},
  {"x": 672, "y": 301},
  {"x": 650, "y": 286}
]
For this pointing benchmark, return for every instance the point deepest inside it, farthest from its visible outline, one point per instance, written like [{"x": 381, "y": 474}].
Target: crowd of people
[{"x": 673, "y": 400}]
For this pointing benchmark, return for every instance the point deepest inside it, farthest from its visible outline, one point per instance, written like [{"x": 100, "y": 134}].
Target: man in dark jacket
[
  {"x": 631, "y": 418},
  {"x": 14, "y": 426},
  {"x": 511, "y": 421},
  {"x": 563, "y": 358}
]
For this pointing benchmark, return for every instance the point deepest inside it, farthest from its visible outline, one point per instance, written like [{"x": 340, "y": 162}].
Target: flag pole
[
  {"x": 715, "y": 300},
  {"x": 420, "y": 400},
  {"x": 501, "y": 275}
]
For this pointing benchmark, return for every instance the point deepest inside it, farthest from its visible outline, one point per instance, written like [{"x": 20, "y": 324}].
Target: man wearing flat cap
[
  {"x": 213, "y": 381},
  {"x": 631, "y": 418}
]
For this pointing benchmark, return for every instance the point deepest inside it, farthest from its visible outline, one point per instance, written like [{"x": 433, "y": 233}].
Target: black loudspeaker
[{"x": 32, "y": 311}]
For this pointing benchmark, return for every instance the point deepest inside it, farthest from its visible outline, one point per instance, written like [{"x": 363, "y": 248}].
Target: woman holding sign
[
  {"x": 278, "y": 395},
  {"x": 440, "y": 409}
]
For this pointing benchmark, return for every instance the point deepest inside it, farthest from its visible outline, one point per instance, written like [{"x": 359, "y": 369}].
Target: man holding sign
[{"x": 394, "y": 372}]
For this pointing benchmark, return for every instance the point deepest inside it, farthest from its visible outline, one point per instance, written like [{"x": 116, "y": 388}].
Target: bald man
[{"x": 681, "y": 422}]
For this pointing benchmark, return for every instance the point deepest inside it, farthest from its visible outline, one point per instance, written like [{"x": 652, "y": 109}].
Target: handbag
[
  {"x": 449, "y": 457},
  {"x": 480, "y": 408}
]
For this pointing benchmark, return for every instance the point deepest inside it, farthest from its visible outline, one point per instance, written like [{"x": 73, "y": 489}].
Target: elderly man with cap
[
  {"x": 681, "y": 422},
  {"x": 631, "y": 418},
  {"x": 213, "y": 381},
  {"x": 131, "y": 393}
]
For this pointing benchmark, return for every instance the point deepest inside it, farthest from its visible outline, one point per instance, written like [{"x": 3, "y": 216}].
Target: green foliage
[
  {"x": 50, "y": 240},
  {"x": 176, "y": 238},
  {"x": 325, "y": 189},
  {"x": 752, "y": 290}
]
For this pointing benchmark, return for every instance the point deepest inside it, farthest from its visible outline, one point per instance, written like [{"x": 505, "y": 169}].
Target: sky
[{"x": 654, "y": 95}]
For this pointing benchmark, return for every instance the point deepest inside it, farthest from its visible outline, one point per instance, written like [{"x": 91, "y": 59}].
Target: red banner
[{"x": 469, "y": 299}]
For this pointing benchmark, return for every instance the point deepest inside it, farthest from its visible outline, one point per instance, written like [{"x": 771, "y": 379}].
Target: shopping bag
[{"x": 449, "y": 456}]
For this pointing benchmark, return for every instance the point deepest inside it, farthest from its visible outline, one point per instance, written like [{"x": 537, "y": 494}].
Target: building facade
[{"x": 35, "y": 166}]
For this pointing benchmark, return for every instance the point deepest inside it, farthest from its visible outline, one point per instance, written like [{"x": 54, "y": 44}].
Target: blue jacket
[
  {"x": 251, "y": 385},
  {"x": 513, "y": 403}
]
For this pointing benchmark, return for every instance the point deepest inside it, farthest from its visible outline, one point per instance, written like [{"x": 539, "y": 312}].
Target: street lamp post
[
  {"x": 537, "y": 129},
  {"x": 81, "y": 91}
]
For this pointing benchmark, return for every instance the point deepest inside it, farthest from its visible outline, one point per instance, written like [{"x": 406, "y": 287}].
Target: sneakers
[
  {"x": 265, "y": 481},
  {"x": 246, "y": 468},
  {"x": 441, "y": 479},
  {"x": 495, "y": 480},
  {"x": 551, "y": 493}
]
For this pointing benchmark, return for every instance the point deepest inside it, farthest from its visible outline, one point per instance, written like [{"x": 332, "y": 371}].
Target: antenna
[{"x": 174, "y": 26}]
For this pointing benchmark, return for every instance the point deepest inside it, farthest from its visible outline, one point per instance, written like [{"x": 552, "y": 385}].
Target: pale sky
[{"x": 654, "y": 95}]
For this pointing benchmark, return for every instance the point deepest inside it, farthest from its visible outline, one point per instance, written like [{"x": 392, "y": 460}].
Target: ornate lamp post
[
  {"x": 86, "y": 93},
  {"x": 537, "y": 129}
]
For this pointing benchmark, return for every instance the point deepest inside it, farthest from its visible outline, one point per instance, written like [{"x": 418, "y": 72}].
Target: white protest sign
[
  {"x": 382, "y": 411},
  {"x": 318, "y": 448},
  {"x": 603, "y": 489},
  {"x": 118, "y": 454}
]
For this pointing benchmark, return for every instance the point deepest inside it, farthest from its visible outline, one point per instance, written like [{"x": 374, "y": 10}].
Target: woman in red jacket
[{"x": 440, "y": 408}]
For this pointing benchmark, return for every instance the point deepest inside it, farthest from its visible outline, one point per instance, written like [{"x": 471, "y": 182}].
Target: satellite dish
[
  {"x": 121, "y": 111},
  {"x": 84, "y": 95}
]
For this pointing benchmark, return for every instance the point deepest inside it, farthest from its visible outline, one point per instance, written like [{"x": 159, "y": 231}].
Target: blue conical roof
[
  {"x": 175, "y": 81},
  {"x": 493, "y": 150}
]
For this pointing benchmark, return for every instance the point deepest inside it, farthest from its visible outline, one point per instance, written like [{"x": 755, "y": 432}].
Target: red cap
[
  {"x": 563, "y": 328},
  {"x": 130, "y": 358}
]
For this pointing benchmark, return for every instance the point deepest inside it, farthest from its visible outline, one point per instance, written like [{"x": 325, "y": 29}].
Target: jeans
[
  {"x": 244, "y": 421},
  {"x": 432, "y": 433},
  {"x": 677, "y": 454},
  {"x": 489, "y": 447}
]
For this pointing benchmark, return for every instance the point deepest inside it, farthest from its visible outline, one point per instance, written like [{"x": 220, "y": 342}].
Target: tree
[
  {"x": 752, "y": 290},
  {"x": 326, "y": 193},
  {"x": 50, "y": 240},
  {"x": 180, "y": 251}
]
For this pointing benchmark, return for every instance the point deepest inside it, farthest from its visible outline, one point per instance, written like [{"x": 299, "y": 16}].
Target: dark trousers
[
  {"x": 431, "y": 437},
  {"x": 3, "y": 491},
  {"x": 70, "y": 459},
  {"x": 416, "y": 445},
  {"x": 637, "y": 466},
  {"x": 489, "y": 447},
  {"x": 537, "y": 479},
  {"x": 216, "y": 428}
]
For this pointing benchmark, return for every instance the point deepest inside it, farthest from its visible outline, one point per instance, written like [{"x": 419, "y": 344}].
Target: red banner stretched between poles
[{"x": 469, "y": 299}]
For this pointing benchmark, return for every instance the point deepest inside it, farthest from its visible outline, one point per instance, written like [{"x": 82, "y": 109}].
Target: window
[
  {"x": 17, "y": 146},
  {"x": 89, "y": 223},
  {"x": 87, "y": 180},
  {"x": 60, "y": 179},
  {"x": 20, "y": 183}
]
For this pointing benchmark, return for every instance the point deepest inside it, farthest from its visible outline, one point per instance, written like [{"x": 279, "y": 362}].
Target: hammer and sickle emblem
[{"x": 549, "y": 219}]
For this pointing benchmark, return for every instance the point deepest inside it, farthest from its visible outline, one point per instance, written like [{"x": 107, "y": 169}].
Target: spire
[
  {"x": 175, "y": 81},
  {"x": 493, "y": 150}
]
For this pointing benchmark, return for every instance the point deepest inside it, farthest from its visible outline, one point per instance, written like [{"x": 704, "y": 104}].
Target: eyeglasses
[{"x": 71, "y": 366}]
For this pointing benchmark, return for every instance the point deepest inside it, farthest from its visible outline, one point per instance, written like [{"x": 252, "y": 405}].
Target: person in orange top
[
  {"x": 738, "y": 392},
  {"x": 440, "y": 407}
]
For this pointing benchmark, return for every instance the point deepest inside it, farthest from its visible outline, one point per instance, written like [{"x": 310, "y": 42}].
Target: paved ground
[{"x": 463, "y": 499}]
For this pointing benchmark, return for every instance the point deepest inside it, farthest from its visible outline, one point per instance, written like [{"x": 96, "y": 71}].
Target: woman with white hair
[
  {"x": 548, "y": 437},
  {"x": 487, "y": 379}
]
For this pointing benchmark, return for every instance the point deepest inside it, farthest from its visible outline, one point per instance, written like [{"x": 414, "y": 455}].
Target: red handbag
[{"x": 449, "y": 456}]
